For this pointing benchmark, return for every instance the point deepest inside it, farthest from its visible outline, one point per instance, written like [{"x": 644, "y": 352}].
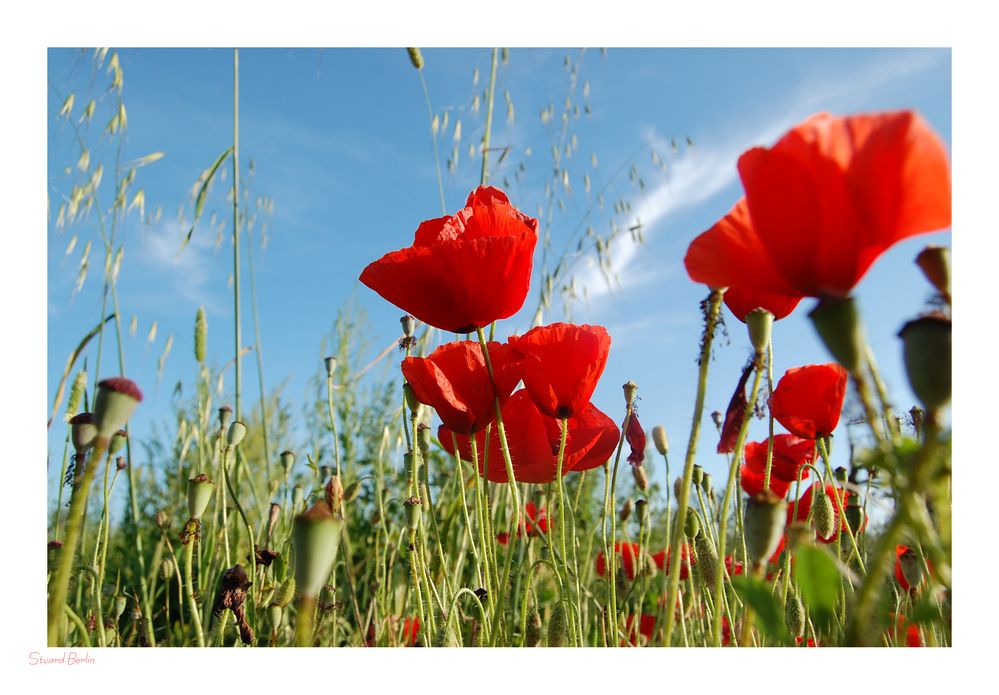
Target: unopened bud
[
  {"x": 660, "y": 440},
  {"x": 408, "y": 325},
  {"x": 117, "y": 442},
  {"x": 625, "y": 513},
  {"x": 641, "y": 479},
  {"x": 837, "y": 322},
  {"x": 297, "y": 497},
  {"x": 765, "y": 517},
  {"x": 557, "y": 625},
  {"x": 120, "y": 602},
  {"x": 678, "y": 487},
  {"x": 706, "y": 484},
  {"x": 642, "y": 510},
  {"x": 760, "y": 323},
  {"x": 630, "y": 390},
  {"x": 794, "y": 615},
  {"x": 199, "y": 494},
  {"x": 352, "y": 491},
  {"x": 696, "y": 475},
  {"x": 284, "y": 593},
  {"x": 275, "y": 614},
  {"x": 823, "y": 514},
  {"x": 415, "y": 57},
  {"x": 237, "y": 430},
  {"x": 334, "y": 494},
  {"x": 532, "y": 633},
  {"x": 414, "y": 511},
  {"x": 934, "y": 261},
  {"x": 927, "y": 349},
  {"x": 414, "y": 405},
  {"x": 692, "y": 526},
  {"x": 707, "y": 558}
]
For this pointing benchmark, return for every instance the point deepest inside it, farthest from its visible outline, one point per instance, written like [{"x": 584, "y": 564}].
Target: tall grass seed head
[
  {"x": 660, "y": 439},
  {"x": 116, "y": 400},
  {"x": 765, "y": 517},
  {"x": 415, "y": 57},
  {"x": 316, "y": 540},
  {"x": 199, "y": 494},
  {"x": 83, "y": 432},
  {"x": 235, "y": 433},
  {"x": 200, "y": 335},
  {"x": 76, "y": 392}
]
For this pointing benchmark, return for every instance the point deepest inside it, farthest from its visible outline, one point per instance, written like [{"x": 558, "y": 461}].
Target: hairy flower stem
[
  {"x": 464, "y": 509},
  {"x": 74, "y": 524},
  {"x": 609, "y": 551},
  {"x": 740, "y": 442},
  {"x": 711, "y": 321},
  {"x": 246, "y": 522},
  {"x": 839, "y": 504},
  {"x": 189, "y": 587},
  {"x": 770, "y": 415}
]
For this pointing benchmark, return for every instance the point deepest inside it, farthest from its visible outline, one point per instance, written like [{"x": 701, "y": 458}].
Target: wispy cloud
[{"x": 702, "y": 172}]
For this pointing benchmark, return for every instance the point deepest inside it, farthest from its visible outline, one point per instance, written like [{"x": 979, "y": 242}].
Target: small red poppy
[
  {"x": 733, "y": 566},
  {"x": 629, "y": 558},
  {"x": 646, "y": 624},
  {"x": 790, "y": 454},
  {"x": 824, "y": 202},
  {"x": 411, "y": 631},
  {"x": 808, "y": 400},
  {"x": 805, "y": 506},
  {"x": 811, "y": 642},
  {"x": 463, "y": 271},
  {"x": 533, "y": 440},
  {"x": 535, "y": 522},
  {"x": 636, "y": 440},
  {"x": 454, "y": 381},
  {"x": 912, "y": 636},
  {"x": 562, "y": 366},
  {"x": 662, "y": 560}
]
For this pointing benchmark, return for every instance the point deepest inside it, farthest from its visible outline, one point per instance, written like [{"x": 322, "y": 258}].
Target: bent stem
[{"x": 189, "y": 588}]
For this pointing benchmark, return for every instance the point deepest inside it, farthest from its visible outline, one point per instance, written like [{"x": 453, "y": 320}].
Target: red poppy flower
[
  {"x": 463, "y": 271},
  {"x": 646, "y": 624},
  {"x": 454, "y": 381},
  {"x": 912, "y": 636},
  {"x": 824, "y": 202},
  {"x": 790, "y": 454},
  {"x": 901, "y": 550},
  {"x": 811, "y": 642},
  {"x": 662, "y": 561},
  {"x": 805, "y": 506},
  {"x": 808, "y": 400},
  {"x": 636, "y": 440},
  {"x": 411, "y": 631},
  {"x": 562, "y": 366},
  {"x": 629, "y": 557},
  {"x": 535, "y": 522},
  {"x": 533, "y": 439},
  {"x": 741, "y": 301},
  {"x": 733, "y": 567}
]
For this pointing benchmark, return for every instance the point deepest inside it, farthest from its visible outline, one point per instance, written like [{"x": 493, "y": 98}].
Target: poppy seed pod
[
  {"x": 411, "y": 400},
  {"x": 927, "y": 348},
  {"x": 532, "y": 633},
  {"x": 660, "y": 440},
  {"x": 760, "y": 323},
  {"x": 934, "y": 261},
  {"x": 794, "y": 615},
  {"x": 557, "y": 626},
  {"x": 823, "y": 514},
  {"x": 764, "y": 525},
  {"x": 83, "y": 432},
  {"x": 115, "y": 402},
  {"x": 641, "y": 479},
  {"x": 423, "y": 434},
  {"x": 696, "y": 475},
  {"x": 408, "y": 325},
  {"x": 225, "y": 417},
  {"x": 414, "y": 511},
  {"x": 706, "y": 484},
  {"x": 330, "y": 363},
  {"x": 287, "y": 461},
  {"x": 235, "y": 434},
  {"x": 200, "y": 335},
  {"x": 199, "y": 494},
  {"x": 837, "y": 322},
  {"x": 118, "y": 440},
  {"x": 630, "y": 390},
  {"x": 840, "y": 474},
  {"x": 317, "y": 539},
  {"x": 415, "y": 57}
]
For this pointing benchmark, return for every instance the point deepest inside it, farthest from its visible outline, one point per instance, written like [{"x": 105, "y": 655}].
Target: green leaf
[
  {"x": 769, "y": 614},
  {"x": 818, "y": 580}
]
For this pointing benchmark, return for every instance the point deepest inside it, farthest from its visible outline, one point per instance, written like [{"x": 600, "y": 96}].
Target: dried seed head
[
  {"x": 630, "y": 390},
  {"x": 235, "y": 434},
  {"x": 641, "y": 479},
  {"x": 200, "y": 335},
  {"x": 199, "y": 494},
  {"x": 765, "y": 517},
  {"x": 334, "y": 495},
  {"x": 660, "y": 440},
  {"x": 415, "y": 57},
  {"x": 232, "y": 595},
  {"x": 83, "y": 432},
  {"x": 115, "y": 402}
]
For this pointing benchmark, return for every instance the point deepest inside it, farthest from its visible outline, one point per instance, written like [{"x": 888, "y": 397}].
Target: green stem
[
  {"x": 484, "y": 178},
  {"x": 189, "y": 586}
]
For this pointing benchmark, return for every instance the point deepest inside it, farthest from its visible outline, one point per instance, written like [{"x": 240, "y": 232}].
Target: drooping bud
[
  {"x": 660, "y": 440},
  {"x": 927, "y": 348},
  {"x": 235, "y": 434},
  {"x": 641, "y": 479},
  {"x": 760, "y": 323},
  {"x": 317, "y": 540},
  {"x": 330, "y": 363},
  {"x": 794, "y": 615},
  {"x": 287, "y": 461},
  {"x": 765, "y": 517},
  {"x": 225, "y": 417},
  {"x": 532, "y": 633},
  {"x": 557, "y": 626},
  {"x": 692, "y": 525},
  {"x": 284, "y": 593},
  {"x": 625, "y": 513},
  {"x": 414, "y": 512},
  {"x": 120, "y": 602},
  {"x": 823, "y": 514},
  {"x": 707, "y": 558},
  {"x": 630, "y": 390},
  {"x": 115, "y": 402},
  {"x": 838, "y": 324},
  {"x": 200, "y": 335},
  {"x": 408, "y": 325},
  {"x": 934, "y": 261},
  {"x": 415, "y": 57},
  {"x": 199, "y": 494},
  {"x": 117, "y": 442},
  {"x": 83, "y": 432}
]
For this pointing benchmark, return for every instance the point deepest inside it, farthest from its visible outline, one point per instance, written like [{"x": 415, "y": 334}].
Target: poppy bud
[
  {"x": 423, "y": 434},
  {"x": 352, "y": 491},
  {"x": 225, "y": 417},
  {"x": 237, "y": 430},
  {"x": 692, "y": 525},
  {"x": 934, "y": 261},
  {"x": 120, "y": 602},
  {"x": 764, "y": 524},
  {"x": 415, "y": 57},
  {"x": 199, "y": 494},
  {"x": 532, "y": 633},
  {"x": 642, "y": 510},
  {"x": 823, "y": 514},
  {"x": 330, "y": 363},
  {"x": 272, "y": 519},
  {"x": 83, "y": 432},
  {"x": 119, "y": 463},
  {"x": 625, "y": 511},
  {"x": 794, "y": 615},
  {"x": 706, "y": 484},
  {"x": 659, "y": 437},
  {"x": 275, "y": 614},
  {"x": 641, "y": 479},
  {"x": 630, "y": 389},
  {"x": 118, "y": 440},
  {"x": 284, "y": 593},
  {"x": 287, "y": 461},
  {"x": 408, "y": 325},
  {"x": 840, "y": 474},
  {"x": 414, "y": 405},
  {"x": 116, "y": 401},
  {"x": 678, "y": 486},
  {"x": 297, "y": 497},
  {"x": 760, "y": 323},
  {"x": 200, "y": 335},
  {"x": 414, "y": 510},
  {"x": 912, "y": 568},
  {"x": 557, "y": 626},
  {"x": 317, "y": 539},
  {"x": 927, "y": 348},
  {"x": 707, "y": 558},
  {"x": 838, "y": 324},
  {"x": 696, "y": 475},
  {"x": 334, "y": 494}
]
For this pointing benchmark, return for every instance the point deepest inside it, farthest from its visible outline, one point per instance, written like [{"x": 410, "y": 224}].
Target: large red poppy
[
  {"x": 454, "y": 381},
  {"x": 790, "y": 454},
  {"x": 824, "y": 202},
  {"x": 463, "y": 271},
  {"x": 741, "y": 301},
  {"x": 563, "y": 364},
  {"x": 808, "y": 400},
  {"x": 805, "y": 506},
  {"x": 533, "y": 439}
]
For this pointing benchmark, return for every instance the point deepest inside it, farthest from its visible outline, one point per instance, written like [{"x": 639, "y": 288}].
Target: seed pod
[
  {"x": 287, "y": 461},
  {"x": 642, "y": 510},
  {"x": 423, "y": 434},
  {"x": 823, "y": 513},
  {"x": 225, "y": 417},
  {"x": 325, "y": 472},
  {"x": 297, "y": 497},
  {"x": 330, "y": 363},
  {"x": 641, "y": 479},
  {"x": 120, "y": 602},
  {"x": 707, "y": 559},
  {"x": 794, "y": 615},
  {"x": 275, "y": 614},
  {"x": 115, "y": 402},
  {"x": 706, "y": 484},
  {"x": 625, "y": 513},
  {"x": 837, "y": 322},
  {"x": 415, "y": 57},
  {"x": 692, "y": 524},
  {"x": 660, "y": 440},
  {"x": 760, "y": 323},
  {"x": 200, "y": 335},
  {"x": 117, "y": 442},
  {"x": 414, "y": 511},
  {"x": 199, "y": 494},
  {"x": 927, "y": 348},
  {"x": 696, "y": 475},
  {"x": 934, "y": 261},
  {"x": 854, "y": 514},
  {"x": 765, "y": 517},
  {"x": 408, "y": 325},
  {"x": 557, "y": 626},
  {"x": 317, "y": 540},
  {"x": 630, "y": 390},
  {"x": 83, "y": 432},
  {"x": 237, "y": 430},
  {"x": 532, "y": 633}
]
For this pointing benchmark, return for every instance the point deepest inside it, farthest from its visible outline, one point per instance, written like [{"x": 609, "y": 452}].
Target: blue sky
[{"x": 340, "y": 140}]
